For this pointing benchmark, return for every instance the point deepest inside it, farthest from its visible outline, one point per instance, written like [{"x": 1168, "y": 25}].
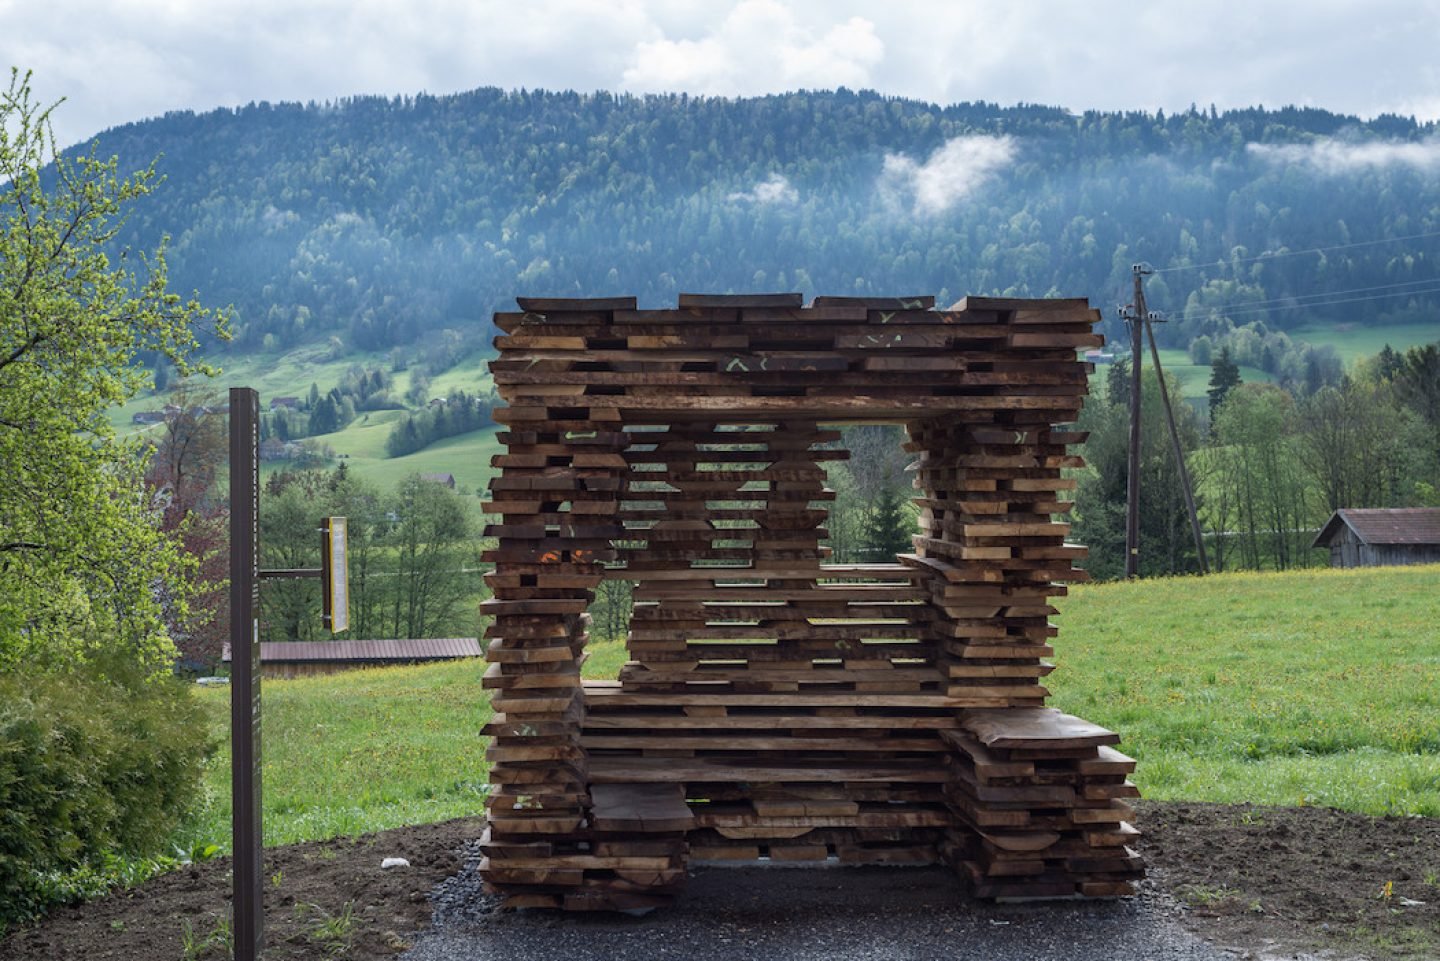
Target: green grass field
[
  {"x": 1353, "y": 341},
  {"x": 274, "y": 375},
  {"x": 357, "y": 752},
  {"x": 1315, "y": 687},
  {"x": 362, "y": 446},
  {"x": 362, "y": 443},
  {"x": 1195, "y": 378},
  {"x": 1309, "y": 687}
]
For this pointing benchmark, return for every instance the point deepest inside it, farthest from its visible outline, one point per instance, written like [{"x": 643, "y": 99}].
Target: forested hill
[{"x": 375, "y": 220}]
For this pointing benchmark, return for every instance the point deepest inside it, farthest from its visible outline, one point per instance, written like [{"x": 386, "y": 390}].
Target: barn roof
[
  {"x": 1397, "y": 525},
  {"x": 373, "y": 652}
]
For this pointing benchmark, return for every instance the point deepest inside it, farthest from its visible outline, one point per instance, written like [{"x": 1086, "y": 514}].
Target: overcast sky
[{"x": 122, "y": 60}]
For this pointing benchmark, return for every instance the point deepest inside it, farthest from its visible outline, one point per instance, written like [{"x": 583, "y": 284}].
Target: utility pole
[
  {"x": 1185, "y": 487},
  {"x": 1140, "y": 319},
  {"x": 1134, "y": 315}
]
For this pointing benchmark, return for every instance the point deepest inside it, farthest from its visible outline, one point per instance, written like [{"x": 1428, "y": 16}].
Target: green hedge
[{"x": 91, "y": 770}]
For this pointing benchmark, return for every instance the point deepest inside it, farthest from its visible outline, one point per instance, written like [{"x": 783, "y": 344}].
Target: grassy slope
[
  {"x": 467, "y": 456},
  {"x": 274, "y": 375},
  {"x": 363, "y": 442},
  {"x": 1195, "y": 378},
  {"x": 1316, "y": 687},
  {"x": 1351, "y": 341}
]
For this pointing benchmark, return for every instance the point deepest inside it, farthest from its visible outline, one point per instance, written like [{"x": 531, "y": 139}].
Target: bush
[{"x": 91, "y": 770}]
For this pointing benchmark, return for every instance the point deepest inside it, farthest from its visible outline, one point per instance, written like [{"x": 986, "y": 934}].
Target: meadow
[
  {"x": 362, "y": 447},
  {"x": 1195, "y": 378},
  {"x": 1351, "y": 341},
  {"x": 1313, "y": 687},
  {"x": 1318, "y": 687}
]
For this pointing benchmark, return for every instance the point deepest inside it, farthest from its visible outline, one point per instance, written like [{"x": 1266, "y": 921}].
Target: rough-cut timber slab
[
  {"x": 922, "y": 302},
  {"x": 608, "y": 770},
  {"x": 741, "y": 300},
  {"x": 639, "y": 808},
  {"x": 1039, "y": 728},
  {"x": 561, "y": 304}
]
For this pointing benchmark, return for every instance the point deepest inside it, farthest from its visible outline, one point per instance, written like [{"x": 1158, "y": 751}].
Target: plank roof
[
  {"x": 1394, "y": 525},
  {"x": 375, "y": 652}
]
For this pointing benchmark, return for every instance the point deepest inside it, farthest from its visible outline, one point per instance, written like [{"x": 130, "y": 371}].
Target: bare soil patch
[
  {"x": 1300, "y": 878},
  {"x": 1268, "y": 881}
]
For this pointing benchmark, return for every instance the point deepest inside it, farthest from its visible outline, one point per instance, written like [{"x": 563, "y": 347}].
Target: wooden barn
[
  {"x": 776, "y": 707},
  {"x": 281, "y": 659},
  {"x": 1382, "y": 537}
]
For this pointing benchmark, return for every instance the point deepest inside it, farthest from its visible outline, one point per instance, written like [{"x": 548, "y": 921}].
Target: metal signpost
[{"x": 248, "y": 923}]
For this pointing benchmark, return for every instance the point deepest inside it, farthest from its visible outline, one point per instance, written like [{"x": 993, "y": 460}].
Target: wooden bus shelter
[{"x": 775, "y": 706}]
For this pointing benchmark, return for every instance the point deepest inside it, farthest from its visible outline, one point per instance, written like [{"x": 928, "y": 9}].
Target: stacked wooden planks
[
  {"x": 993, "y": 552},
  {"x": 797, "y": 710},
  {"x": 1043, "y": 796},
  {"x": 556, "y": 494}
]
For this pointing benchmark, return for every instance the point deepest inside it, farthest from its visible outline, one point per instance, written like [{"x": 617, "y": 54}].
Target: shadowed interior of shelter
[{"x": 776, "y": 707}]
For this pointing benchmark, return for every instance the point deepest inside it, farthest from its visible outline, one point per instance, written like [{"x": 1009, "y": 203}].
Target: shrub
[{"x": 92, "y": 769}]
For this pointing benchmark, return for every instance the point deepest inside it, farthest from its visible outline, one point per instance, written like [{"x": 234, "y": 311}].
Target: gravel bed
[{"x": 813, "y": 914}]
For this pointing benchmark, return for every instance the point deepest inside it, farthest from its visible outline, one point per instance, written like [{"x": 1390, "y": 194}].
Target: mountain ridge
[{"x": 380, "y": 220}]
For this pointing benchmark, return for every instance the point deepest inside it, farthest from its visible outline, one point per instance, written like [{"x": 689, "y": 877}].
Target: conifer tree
[
  {"x": 888, "y": 527},
  {"x": 1224, "y": 376}
]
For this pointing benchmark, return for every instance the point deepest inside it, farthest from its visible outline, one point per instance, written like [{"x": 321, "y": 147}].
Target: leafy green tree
[
  {"x": 190, "y": 454},
  {"x": 872, "y": 479},
  {"x": 436, "y": 559},
  {"x": 1387, "y": 363},
  {"x": 83, "y": 566},
  {"x": 1417, "y": 384},
  {"x": 1358, "y": 445},
  {"x": 614, "y": 603},
  {"x": 1117, "y": 382},
  {"x": 845, "y": 516},
  {"x": 412, "y": 556},
  {"x": 1260, "y": 465},
  {"x": 101, "y": 751}
]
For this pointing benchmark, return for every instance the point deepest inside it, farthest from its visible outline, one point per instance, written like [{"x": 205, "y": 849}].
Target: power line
[
  {"x": 1250, "y": 309},
  {"x": 1314, "y": 300},
  {"x": 1298, "y": 253}
]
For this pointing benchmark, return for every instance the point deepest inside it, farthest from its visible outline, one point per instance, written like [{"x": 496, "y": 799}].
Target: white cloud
[
  {"x": 948, "y": 176},
  {"x": 761, "y": 46},
  {"x": 1334, "y": 157},
  {"x": 775, "y": 189},
  {"x": 124, "y": 60}
]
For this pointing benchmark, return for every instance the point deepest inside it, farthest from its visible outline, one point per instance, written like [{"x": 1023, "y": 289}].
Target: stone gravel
[{"x": 813, "y": 914}]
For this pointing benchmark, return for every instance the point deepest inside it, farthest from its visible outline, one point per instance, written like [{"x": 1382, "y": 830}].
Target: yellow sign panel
[{"x": 337, "y": 575}]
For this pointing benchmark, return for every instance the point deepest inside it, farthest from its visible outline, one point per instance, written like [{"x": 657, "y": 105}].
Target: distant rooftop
[
  {"x": 1394, "y": 525},
  {"x": 373, "y": 652}
]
